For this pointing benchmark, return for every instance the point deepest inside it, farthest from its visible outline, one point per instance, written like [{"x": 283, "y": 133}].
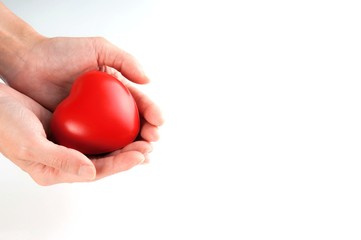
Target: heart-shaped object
[{"x": 99, "y": 115}]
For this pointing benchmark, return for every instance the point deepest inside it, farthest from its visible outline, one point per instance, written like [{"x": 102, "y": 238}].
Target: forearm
[{"x": 16, "y": 38}]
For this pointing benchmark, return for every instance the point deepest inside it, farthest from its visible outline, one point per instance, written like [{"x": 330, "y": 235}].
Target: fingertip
[
  {"x": 144, "y": 77},
  {"x": 154, "y": 115},
  {"x": 147, "y": 160},
  {"x": 135, "y": 157},
  {"x": 160, "y": 120},
  {"x": 124, "y": 62},
  {"x": 138, "y": 146},
  {"x": 141, "y": 159},
  {"x": 149, "y": 133},
  {"x": 131, "y": 159},
  {"x": 122, "y": 161},
  {"x": 133, "y": 70},
  {"x": 87, "y": 172}
]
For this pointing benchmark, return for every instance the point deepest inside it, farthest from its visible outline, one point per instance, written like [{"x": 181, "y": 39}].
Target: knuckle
[
  {"x": 57, "y": 163},
  {"x": 25, "y": 152}
]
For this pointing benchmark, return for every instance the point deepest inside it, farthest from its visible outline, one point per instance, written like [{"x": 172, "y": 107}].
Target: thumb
[
  {"x": 112, "y": 56},
  {"x": 66, "y": 159}
]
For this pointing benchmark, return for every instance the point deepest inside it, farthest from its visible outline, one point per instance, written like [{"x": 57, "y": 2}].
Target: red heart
[{"x": 99, "y": 116}]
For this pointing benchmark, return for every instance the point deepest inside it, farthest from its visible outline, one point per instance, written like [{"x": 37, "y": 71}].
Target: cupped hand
[
  {"x": 40, "y": 72},
  {"x": 47, "y": 68},
  {"x": 50, "y": 65},
  {"x": 23, "y": 139}
]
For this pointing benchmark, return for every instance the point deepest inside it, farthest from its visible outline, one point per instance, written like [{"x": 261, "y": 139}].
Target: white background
[{"x": 263, "y": 126}]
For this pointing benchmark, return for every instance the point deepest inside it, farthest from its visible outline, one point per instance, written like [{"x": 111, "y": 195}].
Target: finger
[
  {"x": 143, "y": 147},
  {"x": 140, "y": 146},
  {"x": 116, "y": 163},
  {"x": 149, "y": 132},
  {"x": 113, "y": 72},
  {"x": 110, "y": 55},
  {"x": 146, "y": 106},
  {"x": 46, "y": 176},
  {"x": 64, "y": 159},
  {"x": 148, "y": 109}
]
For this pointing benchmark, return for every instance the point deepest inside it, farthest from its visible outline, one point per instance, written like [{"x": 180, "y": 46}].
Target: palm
[
  {"x": 23, "y": 117},
  {"x": 23, "y": 125},
  {"x": 46, "y": 75},
  {"x": 58, "y": 62}
]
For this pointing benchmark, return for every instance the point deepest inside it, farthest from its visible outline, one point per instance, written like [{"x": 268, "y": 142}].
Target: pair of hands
[{"x": 39, "y": 81}]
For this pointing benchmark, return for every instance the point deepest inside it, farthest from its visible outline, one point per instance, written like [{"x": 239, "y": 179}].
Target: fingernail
[
  {"x": 149, "y": 150},
  {"x": 146, "y": 159},
  {"x": 86, "y": 172},
  {"x": 160, "y": 121},
  {"x": 141, "y": 161},
  {"x": 142, "y": 71}
]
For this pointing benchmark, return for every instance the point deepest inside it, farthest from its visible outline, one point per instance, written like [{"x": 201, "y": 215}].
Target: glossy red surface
[{"x": 99, "y": 116}]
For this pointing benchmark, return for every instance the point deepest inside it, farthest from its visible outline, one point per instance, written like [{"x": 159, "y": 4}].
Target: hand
[
  {"x": 23, "y": 127},
  {"x": 49, "y": 67},
  {"x": 43, "y": 69}
]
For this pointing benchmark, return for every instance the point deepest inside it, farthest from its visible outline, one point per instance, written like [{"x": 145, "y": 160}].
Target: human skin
[{"x": 39, "y": 72}]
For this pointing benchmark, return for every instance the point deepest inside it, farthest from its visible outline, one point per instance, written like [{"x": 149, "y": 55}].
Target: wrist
[{"x": 17, "y": 38}]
